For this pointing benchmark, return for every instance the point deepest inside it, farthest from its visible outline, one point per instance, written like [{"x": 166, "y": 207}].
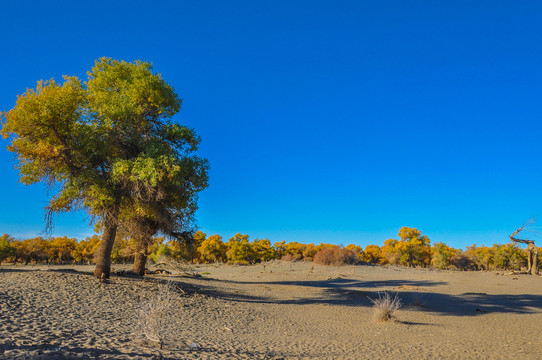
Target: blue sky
[{"x": 324, "y": 121}]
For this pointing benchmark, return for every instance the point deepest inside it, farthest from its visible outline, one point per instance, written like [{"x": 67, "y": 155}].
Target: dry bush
[
  {"x": 289, "y": 257},
  {"x": 346, "y": 257},
  {"x": 176, "y": 266},
  {"x": 153, "y": 315},
  {"x": 463, "y": 261},
  {"x": 385, "y": 306},
  {"x": 336, "y": 256}
]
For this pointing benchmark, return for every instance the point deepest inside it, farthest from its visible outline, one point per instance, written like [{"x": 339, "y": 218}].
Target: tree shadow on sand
[
  {"x": 413, "y": 294},
  {"x": 53, "y": 352}
]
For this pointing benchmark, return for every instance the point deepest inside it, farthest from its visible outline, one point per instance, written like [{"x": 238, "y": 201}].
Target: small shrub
[
  {"x": 336, "y": 256},
  {"x": 463, "y": 261},
  {"x": 324, "y": 256},
  {"x": 289, "y": 257},
  {"x": 153, "y": 316},
  {"x": 385, "y": 307}
]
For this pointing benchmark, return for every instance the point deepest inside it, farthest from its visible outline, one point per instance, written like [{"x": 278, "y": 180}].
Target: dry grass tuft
[
  {"x": 154, "y": 314},
  {"x": 385, "y": 307}
]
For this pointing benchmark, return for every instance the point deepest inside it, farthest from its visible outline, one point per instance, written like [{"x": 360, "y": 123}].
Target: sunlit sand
[{"x": 283, "y": 310}]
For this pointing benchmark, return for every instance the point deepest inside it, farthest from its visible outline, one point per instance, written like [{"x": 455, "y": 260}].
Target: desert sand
[{"x": 278, "y": 310}]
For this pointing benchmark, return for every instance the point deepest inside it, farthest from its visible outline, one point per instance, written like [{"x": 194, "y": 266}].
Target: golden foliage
[{"x": 412, "y": 249}]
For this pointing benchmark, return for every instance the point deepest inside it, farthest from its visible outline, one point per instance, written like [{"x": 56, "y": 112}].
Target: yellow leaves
[
  {"x": 263, "y": 250},
  {"x": 336, "y": 256},
  {"x": 46, "y": 150},
  {"x": 119, "y": 119},
  {"x": 373, "y": 255},
  {"x": 212, "y": 249},
  {"x": 294, "y": 250},
  {"x": 356, "y": 249},
  {"x": 442, "y": 255},
  {"x": 309, "y": 252},
  {"x": 41, "y": 126},
  {"x": 412, "y": 250}
]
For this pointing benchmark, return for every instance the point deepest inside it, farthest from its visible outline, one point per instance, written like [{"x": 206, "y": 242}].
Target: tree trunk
[
  {"x": 533, "y": 254},
  {"x": 140, "y": 258},
  {"x": 103, "y": 253},
  {"x": 531, "y": 248}
]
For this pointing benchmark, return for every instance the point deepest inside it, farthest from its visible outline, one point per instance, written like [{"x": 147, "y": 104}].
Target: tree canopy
[{"x": 109, "y": 145}]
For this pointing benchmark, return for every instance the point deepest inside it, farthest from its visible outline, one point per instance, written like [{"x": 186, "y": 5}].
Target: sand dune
[{"x": 282, "y": 310}]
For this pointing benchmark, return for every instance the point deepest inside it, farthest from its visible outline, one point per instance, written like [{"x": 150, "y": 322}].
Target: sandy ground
[{"x": 280, "y": 310}]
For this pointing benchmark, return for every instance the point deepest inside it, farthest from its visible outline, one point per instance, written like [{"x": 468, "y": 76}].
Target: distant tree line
[{"x": 411, "y": 249}]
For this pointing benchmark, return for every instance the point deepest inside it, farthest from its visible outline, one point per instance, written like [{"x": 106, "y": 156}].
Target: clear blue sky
[{"x": 324, "y": 121}]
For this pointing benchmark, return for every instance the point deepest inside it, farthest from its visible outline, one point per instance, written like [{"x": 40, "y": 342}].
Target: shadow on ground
[
  {"x": 414, "y": 295},
  {"x": 50, "y": 352}
]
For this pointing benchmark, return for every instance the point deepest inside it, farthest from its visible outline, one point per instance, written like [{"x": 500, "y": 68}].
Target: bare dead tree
[{"x": 531, "y": 248}]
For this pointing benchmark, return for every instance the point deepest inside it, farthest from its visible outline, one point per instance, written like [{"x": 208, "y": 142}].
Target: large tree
[
  {"x": 106, "y": 145},
  {"x": 163, "y": 190}
]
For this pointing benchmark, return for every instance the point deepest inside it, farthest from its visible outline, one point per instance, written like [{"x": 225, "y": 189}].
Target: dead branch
[
  {"x": 520, "y": 229},
  {"x": 532, "y": 259}
]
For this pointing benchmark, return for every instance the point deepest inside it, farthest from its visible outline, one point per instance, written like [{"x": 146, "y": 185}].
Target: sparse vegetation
[
  {"x": 336, "y": 256},
  {"x": 385, "y": 307},
  {"x": 153, "y": 315},
  {"x": 6, "y": 250},
  {"x": 412, "y": 249}
]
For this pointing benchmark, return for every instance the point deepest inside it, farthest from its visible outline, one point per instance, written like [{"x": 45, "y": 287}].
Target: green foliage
[
  {"x": 6, "y": 250},
  {"x": 45, "y": 124},
  {"x": 412, "y": 249},
  {"x": 509, "y": 256},
  {"x": 483, "y": 257},
  {"x": 442, "y": 255},
  {"x": 160, "y": 251},
  {"x": 187, "y": 250},
  {"x": 108, "y": 145},
  {"x": 463, "y": 261},
  {"x": 240, "y": 251}
]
